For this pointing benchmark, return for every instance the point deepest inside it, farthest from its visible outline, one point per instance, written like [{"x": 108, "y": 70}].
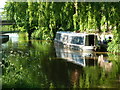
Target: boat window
[
  {"x": 90, "y": 40},
  {"x": 58, "y": 36},
  {"x": 96, "y": 40},
  {"x": 77, "y": 40},
  {"x": 65, "y": 38}
]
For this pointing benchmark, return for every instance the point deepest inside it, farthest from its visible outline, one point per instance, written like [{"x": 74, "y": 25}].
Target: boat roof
[{"x": 74, "y": 33}]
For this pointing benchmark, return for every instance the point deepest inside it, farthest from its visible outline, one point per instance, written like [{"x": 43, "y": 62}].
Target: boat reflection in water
[{"x": 77, "y": 58}]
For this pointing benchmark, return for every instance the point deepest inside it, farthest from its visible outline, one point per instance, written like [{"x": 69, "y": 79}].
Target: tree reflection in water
[
  {"x": 75, "y": 75},
  {"x": 36, "y": 65},
  {"x": 96, "y": 72}
]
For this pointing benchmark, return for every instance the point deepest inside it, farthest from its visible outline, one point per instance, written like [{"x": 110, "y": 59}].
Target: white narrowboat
[{"x": 77, "y": 41}]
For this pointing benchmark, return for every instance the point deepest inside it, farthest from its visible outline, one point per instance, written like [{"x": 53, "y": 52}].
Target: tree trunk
[{"x": 29, "y": 35}]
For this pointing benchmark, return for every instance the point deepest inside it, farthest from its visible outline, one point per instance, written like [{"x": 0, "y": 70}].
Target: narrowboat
[
  {"x": 4, "y": 38},
  {"x": 77, "y": 41}
]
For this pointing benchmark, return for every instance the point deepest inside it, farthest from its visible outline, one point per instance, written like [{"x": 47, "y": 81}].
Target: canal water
[{"x": 43, "y": 64}]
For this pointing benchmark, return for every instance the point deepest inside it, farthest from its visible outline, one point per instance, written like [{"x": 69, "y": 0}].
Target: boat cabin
[{"x": 79, "y": 41}]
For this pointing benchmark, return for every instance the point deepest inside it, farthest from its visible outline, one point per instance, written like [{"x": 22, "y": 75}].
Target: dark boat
[{"x": 4, "y": 38}]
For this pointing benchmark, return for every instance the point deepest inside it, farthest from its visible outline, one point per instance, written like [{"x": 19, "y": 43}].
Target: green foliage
[
  {"x": 51, "y": 85},
  {"x": 90, "y": 79},
  {"x": 27, "y": 65},
  {"x": 96, "y": 77},
  {"x": 114, "y": 46},
  {"x": 43, "y": 34},
  {"x": 21, "y": 66},
  {"x": 44, "y": 19}
]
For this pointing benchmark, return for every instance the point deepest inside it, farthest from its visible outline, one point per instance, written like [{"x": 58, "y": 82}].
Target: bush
[{"x": 43, "y": 34}]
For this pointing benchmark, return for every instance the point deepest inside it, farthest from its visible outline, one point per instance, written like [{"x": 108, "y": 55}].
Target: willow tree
[
  {"x": 83, "y": 15},
  {"x": 17, "y": 11},
  {"x": 10, "y": 11},
  {"x": 114, "y": 46},
  {"x": 32, "y": 23},
  {"x": 75, "y": 16},
  {"x": 44, "y": 31},
  {"x": 49, "y": 17},
  {"x": 54, "y": 17}
]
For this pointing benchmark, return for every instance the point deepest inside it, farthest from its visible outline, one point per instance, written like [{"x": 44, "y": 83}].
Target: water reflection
[
  {"x": 80, "y": 58},
  {"x": 75, "y": 75},
  {"x": 13, "y": 37},
  {"x": 38, "y": 63},
  {"x": 105, "y": 64}
]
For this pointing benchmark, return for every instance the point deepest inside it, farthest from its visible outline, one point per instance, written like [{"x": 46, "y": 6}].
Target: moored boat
[{"x": 77, "y": 41}]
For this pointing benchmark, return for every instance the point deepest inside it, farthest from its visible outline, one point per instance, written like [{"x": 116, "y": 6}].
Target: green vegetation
[
  {"x": 31, "y": 65},
  {"x": 98, "y": 78},
  {"x": 22, "y": 66},
  {"x": 43, "y": 19}
]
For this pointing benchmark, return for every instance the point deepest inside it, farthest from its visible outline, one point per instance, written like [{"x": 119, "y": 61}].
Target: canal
[{"x": 42, "y": 64}]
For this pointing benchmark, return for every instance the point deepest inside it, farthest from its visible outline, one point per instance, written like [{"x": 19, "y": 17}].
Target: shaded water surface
[{"x": 43, "y": 64}]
